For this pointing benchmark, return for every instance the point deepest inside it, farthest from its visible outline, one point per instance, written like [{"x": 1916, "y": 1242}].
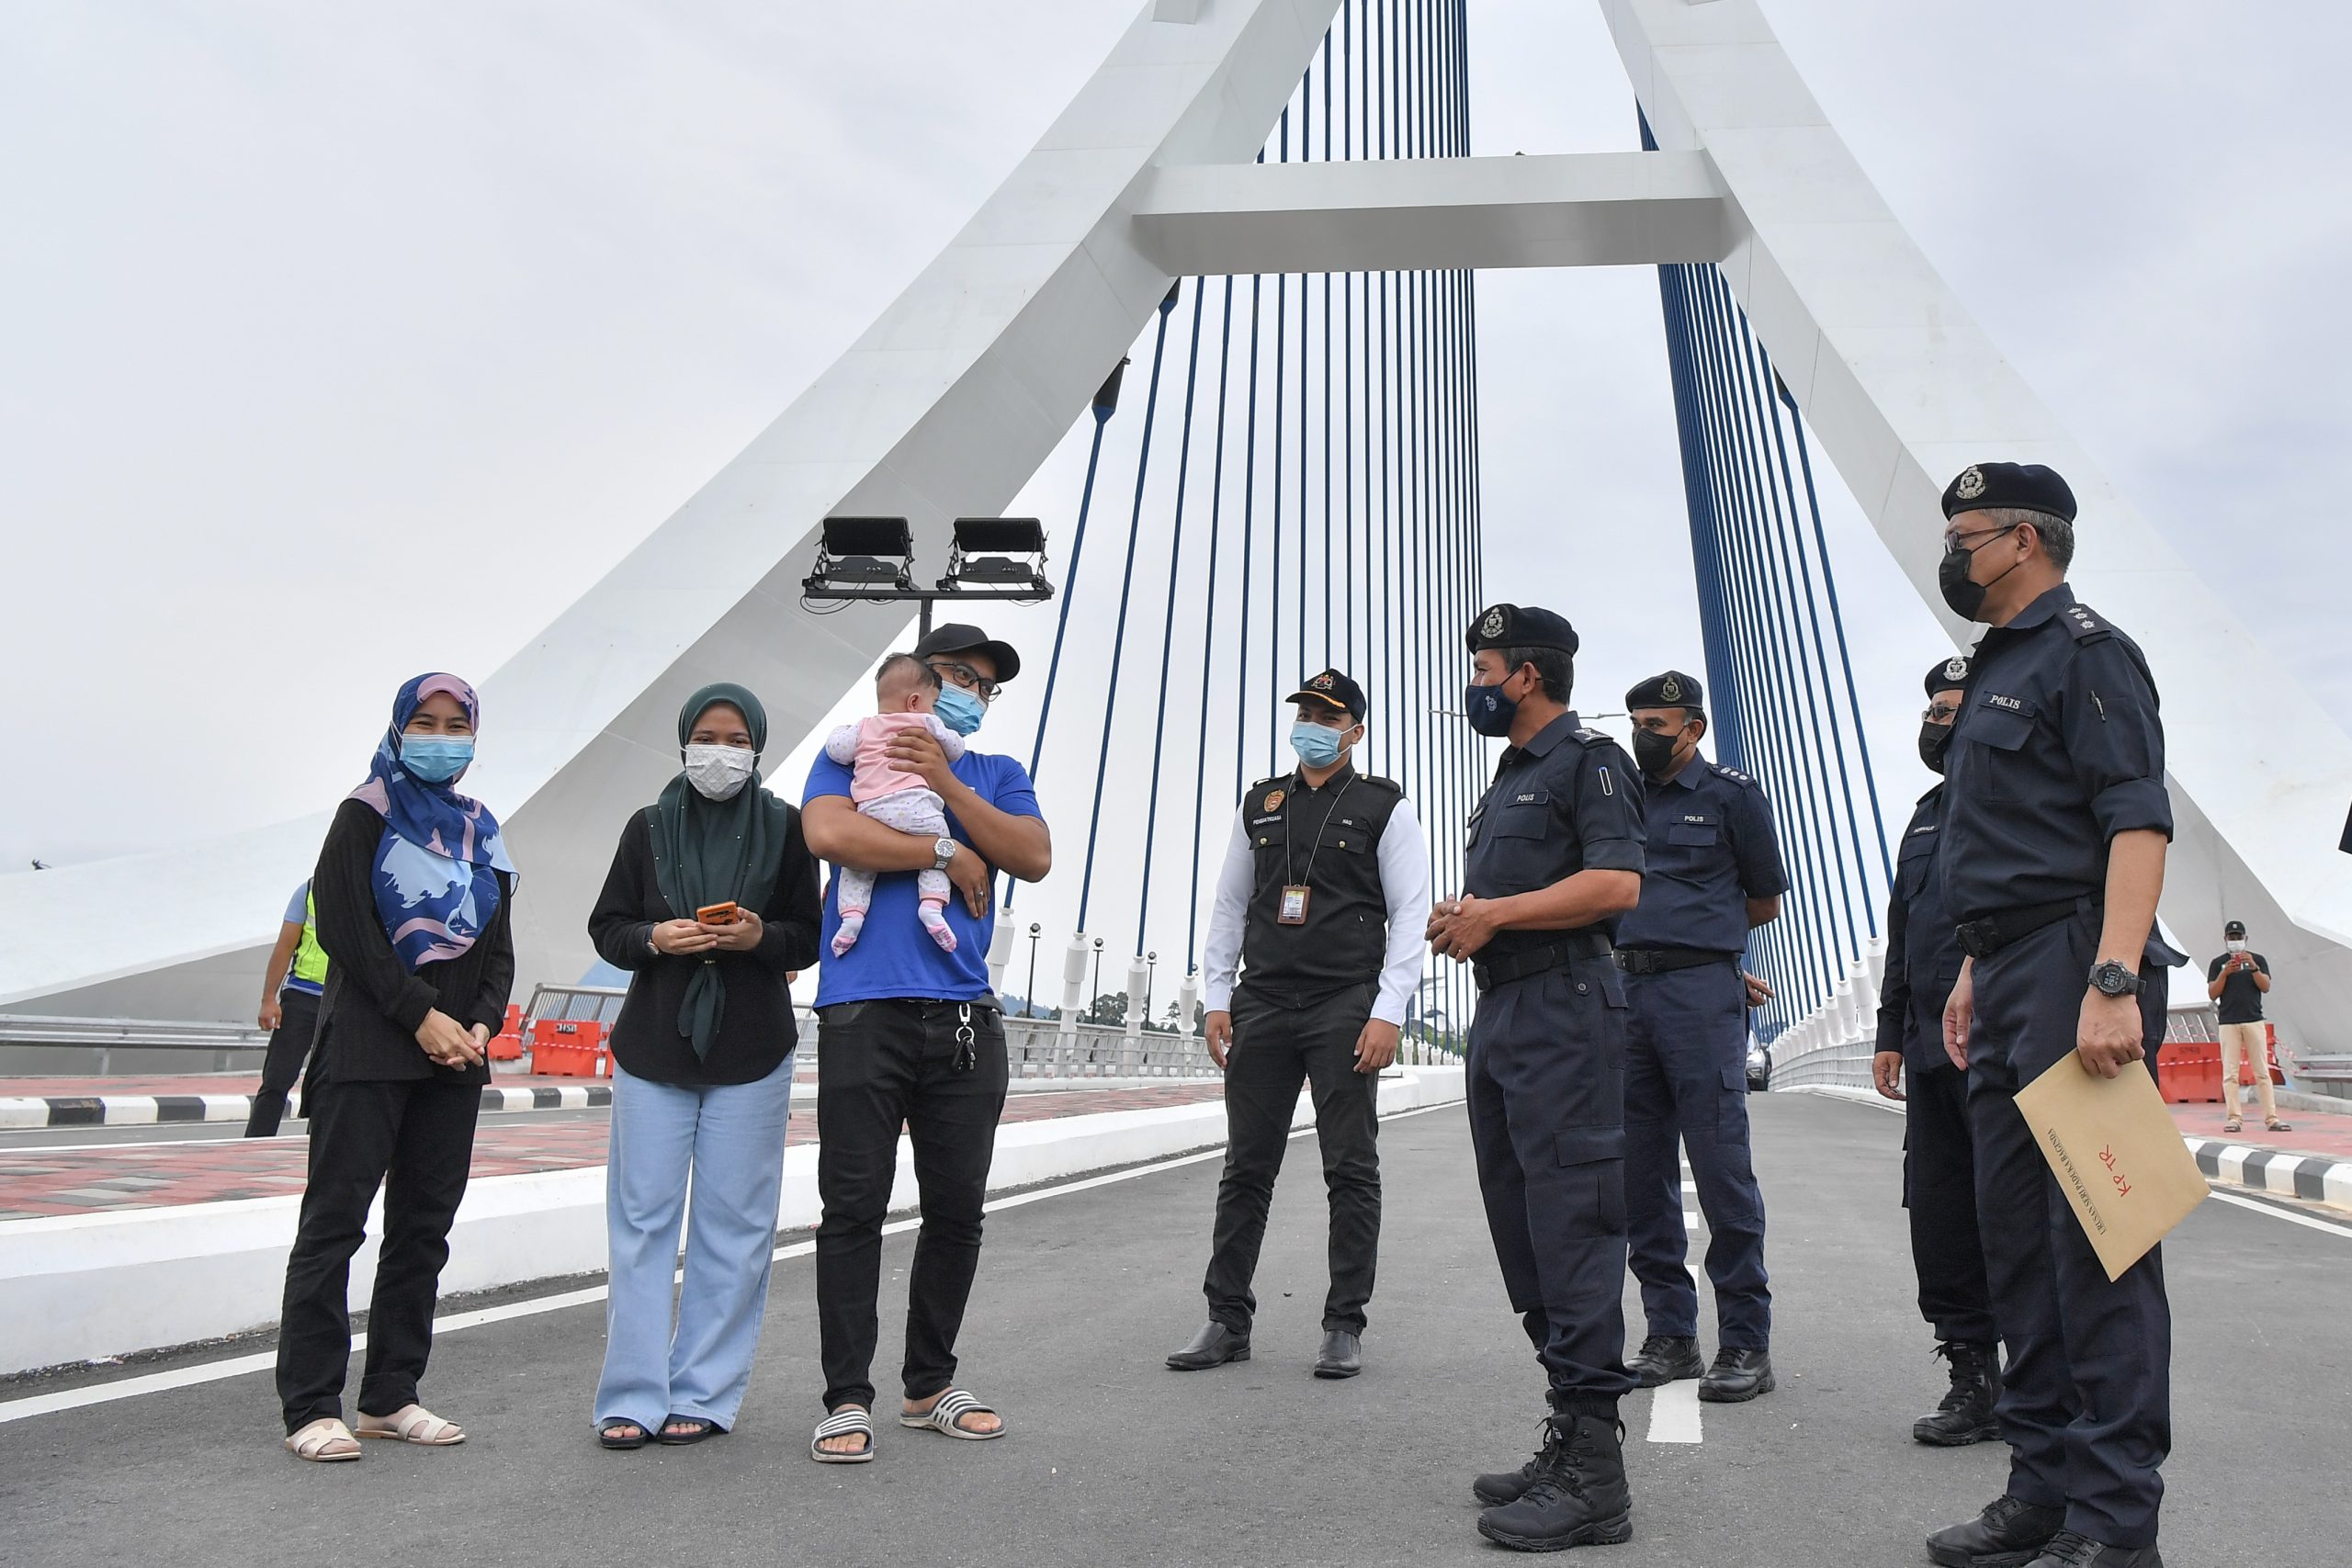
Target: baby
[{"x": 906, "y": 690}]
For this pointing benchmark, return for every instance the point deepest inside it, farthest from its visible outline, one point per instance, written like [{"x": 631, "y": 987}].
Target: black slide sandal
[
  {"x": 701, "y": 1427},
  {"x": 605, "y": 1437}
]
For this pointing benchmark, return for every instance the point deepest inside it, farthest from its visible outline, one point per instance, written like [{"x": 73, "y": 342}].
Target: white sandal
[
  {"x": 944, "y": 1416},
  {"x": 847, "y": 1422},
  {"x": 324, "y": 1441},
  {"x": 413, "y": 1424}
]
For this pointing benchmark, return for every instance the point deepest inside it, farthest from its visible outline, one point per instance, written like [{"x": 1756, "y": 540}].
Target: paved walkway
[
  {"x": 2319, "y": 1132},
  {"x": 141, "y": 1176}
]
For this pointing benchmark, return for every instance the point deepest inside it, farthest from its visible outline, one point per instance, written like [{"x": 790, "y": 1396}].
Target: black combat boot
[
  {"x": 1664, "y": 1359},
  {"x": 1966, "y": 1414},
  {"x": 1579, "y": 1496},
  {"x": 1499, "y": 1486},
  {"x": 1737, "y": 1376},
  {"x": 2009, "y": 1533},
  {"x": 2068, "y": 1550}
]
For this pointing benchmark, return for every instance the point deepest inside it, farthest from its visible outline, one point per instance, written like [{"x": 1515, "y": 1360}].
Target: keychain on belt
[
  {"x": 967, "y": 1057},
  {"x": 1293, "y": 911}
]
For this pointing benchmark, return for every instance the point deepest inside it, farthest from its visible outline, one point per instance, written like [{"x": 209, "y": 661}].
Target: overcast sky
[{"x": 345, "y": 341}]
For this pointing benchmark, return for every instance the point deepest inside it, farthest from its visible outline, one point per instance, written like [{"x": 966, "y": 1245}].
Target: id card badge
[{"x": 1293, "y": 906}]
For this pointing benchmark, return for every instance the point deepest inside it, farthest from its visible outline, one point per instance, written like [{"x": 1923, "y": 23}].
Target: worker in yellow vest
[{"x": 291, "y": 987}]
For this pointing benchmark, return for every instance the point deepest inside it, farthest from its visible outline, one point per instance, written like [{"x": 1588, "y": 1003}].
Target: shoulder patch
[
  {"x": 1591, "y": 737},
  {"x": 1374, "y": 778},
  {"x": 2084, "y": 624}
]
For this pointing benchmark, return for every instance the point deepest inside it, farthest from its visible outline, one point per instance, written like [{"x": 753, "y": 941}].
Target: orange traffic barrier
[
  {"x": 2188, "y": 1072},
  {"x": 568, "y": 1048},
  {"x": 506, "y": 1046}
]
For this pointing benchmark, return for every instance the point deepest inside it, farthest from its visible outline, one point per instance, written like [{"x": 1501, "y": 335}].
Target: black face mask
[
  {"x": 1654, "y": 749},
  {"x": 1963, "y": 592},
  {"x": 1935, "y": 740}
]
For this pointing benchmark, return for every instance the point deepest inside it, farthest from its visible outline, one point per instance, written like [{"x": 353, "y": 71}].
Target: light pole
[
  {"x": 1029, "y": 1002},
  {"x": 1098, "y": 975},
  {"x": 1151, "y": 972}
]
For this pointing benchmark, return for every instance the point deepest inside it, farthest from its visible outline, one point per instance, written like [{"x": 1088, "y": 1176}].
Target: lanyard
[{"x": 1317, "y": 849}]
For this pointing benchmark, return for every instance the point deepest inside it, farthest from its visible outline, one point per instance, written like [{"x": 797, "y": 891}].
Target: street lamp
[
  {"x": 1098, "y": 975},
  {"x": 1029, "y": 1002},
  {"x": 872, "y": 561},
  {"x": 1151, "y": 971}
]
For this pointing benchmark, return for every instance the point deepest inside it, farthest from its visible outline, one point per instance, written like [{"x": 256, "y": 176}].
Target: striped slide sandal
[{"x": 946, "y": 1417}]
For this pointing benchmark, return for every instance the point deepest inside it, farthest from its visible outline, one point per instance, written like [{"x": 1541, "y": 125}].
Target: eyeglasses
[
  {"x": 1956, "y": 540},
  {"x": 1941, "y": 712},
  {"x": 967, "y": 677}
]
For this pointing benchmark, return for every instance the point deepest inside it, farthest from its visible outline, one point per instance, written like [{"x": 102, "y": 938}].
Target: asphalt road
[{"x": 1113, "y": 1460}]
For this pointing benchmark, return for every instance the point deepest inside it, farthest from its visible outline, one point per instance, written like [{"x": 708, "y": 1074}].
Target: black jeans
[
  {"x": 413, "y": 1137},
  {"x": 937, "y": 1069},
  {"x": 298, "y": 1023},
  {"x": 1274, "y": 1051}
]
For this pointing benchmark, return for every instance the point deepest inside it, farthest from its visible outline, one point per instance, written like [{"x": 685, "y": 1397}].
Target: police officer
[
  {"x": 1938, "y": 1164},
  {"x": 1321, "y": 906},
  {"x": 1555, "y": 858},
  {"x": 2055, "y": 824},
  {"x": 1713, "y": 872}
]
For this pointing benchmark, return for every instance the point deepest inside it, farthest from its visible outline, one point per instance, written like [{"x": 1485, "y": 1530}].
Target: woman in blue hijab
[{"x": 415, "y": 895}]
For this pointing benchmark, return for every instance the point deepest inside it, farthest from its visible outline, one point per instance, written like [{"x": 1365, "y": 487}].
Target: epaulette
[
  {"x": 2084, "y": 624},
  {"x": 1591, "y": 737},
  {"x": 1735, "y": 775},
  {"x": 1389, "y": 784}
]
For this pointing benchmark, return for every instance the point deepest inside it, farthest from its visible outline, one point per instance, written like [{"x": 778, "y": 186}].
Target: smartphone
[{"x": 718, "y": 915}]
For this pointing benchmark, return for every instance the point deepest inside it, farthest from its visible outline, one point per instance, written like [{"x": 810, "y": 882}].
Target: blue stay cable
[
  {"x": 1208, "y": 639},
  {"x": 1168, "y": 626}
]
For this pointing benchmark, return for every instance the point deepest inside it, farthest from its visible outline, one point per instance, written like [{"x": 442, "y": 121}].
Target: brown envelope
[{"x": 2117, "y": 1155}]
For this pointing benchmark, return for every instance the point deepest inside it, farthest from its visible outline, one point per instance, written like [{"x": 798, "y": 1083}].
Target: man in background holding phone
[{"x": 2238, "y": 980}]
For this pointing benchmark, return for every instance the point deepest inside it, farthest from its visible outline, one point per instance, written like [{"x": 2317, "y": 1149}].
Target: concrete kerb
[{"x": 80, "y": 1287}]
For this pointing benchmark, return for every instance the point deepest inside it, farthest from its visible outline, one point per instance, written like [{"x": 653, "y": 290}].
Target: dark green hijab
[{"x": 715, "y": 851}]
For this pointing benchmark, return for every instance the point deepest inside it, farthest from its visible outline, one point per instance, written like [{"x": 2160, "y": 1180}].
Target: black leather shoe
[
  {"x": 1212, "y": 1346},
  {"x": 1341, "y": 1356},
  {"x": 2009, "y": 1533},
  {"x": 1666, "y": 1359},
  {"x": 1966, "y": 1414},
  {"x": 2068, "y": 1550},
  {"x": 1579, "y": 1496},
  {"x": 1737, "y": 1376}
]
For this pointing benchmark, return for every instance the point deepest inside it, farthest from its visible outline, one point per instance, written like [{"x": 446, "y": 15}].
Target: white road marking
[
  {"x": 2275, "y": 1213},
  {"x": 1674, "y": 1413}
]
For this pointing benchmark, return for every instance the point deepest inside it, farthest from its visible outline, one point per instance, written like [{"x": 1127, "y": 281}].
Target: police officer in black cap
[
  {"x": 1714, "y": 873},
  {"x": 2055, "y": 824},
  {"x": 1555, "y": 858},
  {"x": 1938, "y": 1162},
  {"x": 1321, "y": 908}
]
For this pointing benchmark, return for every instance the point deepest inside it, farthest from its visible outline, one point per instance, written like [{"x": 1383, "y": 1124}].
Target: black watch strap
[{"x": 2111, "y": 978}]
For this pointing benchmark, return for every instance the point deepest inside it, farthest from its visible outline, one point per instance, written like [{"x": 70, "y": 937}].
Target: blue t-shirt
[{"x": 895, "y": 956}]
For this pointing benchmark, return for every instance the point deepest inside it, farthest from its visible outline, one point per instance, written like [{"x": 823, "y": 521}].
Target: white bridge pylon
[{"x": 956, "y": 394}]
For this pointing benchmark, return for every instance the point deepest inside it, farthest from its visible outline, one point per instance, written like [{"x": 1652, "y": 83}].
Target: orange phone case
[{"x": 716, "y": 914}]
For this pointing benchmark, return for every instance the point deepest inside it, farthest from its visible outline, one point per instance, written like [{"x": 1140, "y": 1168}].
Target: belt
[
  {"x": 1982, "y": 939},
  {"x": 1590, "y": 942},
  {"x": 1663, "y": 959}
]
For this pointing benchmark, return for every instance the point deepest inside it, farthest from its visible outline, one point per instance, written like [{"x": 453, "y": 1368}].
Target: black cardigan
[
  {"x": 756, "y": 1031},
  {"x": 374, "y": 1003}
]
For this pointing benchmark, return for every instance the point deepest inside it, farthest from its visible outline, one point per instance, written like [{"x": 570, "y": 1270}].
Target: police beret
[
  {"x": 1514, "y": 626},
  {"x": 1671, "y": 690},
  {"x": 1988, "y": 487},
  {"x": 1947, "y": 674},
  {"x": 1332, "y": 688}
]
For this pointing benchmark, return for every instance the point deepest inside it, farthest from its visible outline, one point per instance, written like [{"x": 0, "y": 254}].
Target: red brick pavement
[
  {"x": 80, "y": 1181},
  {"x": 2321, "y": 1132},
  {"x": 120, "y": 1084}
]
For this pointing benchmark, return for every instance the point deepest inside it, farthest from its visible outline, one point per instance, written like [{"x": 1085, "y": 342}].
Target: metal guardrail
[
  {"x": 108, "y": 1035},
  {"x": 1848, "y": 1063}
]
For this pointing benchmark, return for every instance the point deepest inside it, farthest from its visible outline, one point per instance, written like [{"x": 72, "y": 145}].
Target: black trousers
[
  {"x": 414, "y": 1138},
  {"x": 298, "y": 1023},
  {"x": 1275, "y": 1050},
  {"x": 2086, "y": 1394},
  {"x": 1939, "y": 1190},
  {"x": 937, "y": 1069}
]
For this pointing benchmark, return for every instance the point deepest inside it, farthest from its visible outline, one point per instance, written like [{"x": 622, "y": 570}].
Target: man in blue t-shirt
[{"x": 909, "y": 1035}]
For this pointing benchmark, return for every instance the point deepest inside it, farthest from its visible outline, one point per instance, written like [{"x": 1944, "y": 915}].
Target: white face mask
[
  {"x": 719, "y": 773},
  {"x": 2237, "y": 947}
]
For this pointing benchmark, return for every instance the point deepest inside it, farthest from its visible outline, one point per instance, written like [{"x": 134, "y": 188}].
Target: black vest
[{"x": 1330, "y": 840}]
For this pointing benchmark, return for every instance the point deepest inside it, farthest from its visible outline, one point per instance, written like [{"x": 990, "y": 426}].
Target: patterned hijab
[{"x": 427, "y": 892}]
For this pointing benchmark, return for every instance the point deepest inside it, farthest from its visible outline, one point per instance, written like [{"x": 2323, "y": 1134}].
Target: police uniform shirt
[
  {"x": 1567, "y": 801},
  {"x": 1357, "y": 846},
  {"x": 2058, "y": 749},
  {"x": 1712, "y": 848},
  {"x": 1922, "y": 949}
]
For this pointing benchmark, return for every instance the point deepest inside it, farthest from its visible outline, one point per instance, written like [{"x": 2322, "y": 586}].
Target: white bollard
[
  {"x": 1000, "y": 950},
  {"x": 1188, "y": 998},
  {"x": 1074, "y": 982}
]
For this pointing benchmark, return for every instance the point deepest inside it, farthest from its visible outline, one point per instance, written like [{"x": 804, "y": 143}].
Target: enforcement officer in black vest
[
  {"x": 1713, "y": 872},
  {"x": 1938, "y": 1161},
  {"x": 1555, "y": 858},
  {"x": 2055, "y": 824},
  {"x": 1321, "y": 906}
]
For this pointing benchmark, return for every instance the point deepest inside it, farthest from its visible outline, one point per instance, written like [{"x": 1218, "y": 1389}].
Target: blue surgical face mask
[
  {"x": 1317, "y": 745},
  {"x": 1488, "y": 711},
  {"x": 435, "y": 759},
  {"x": 959, "y": 710}
]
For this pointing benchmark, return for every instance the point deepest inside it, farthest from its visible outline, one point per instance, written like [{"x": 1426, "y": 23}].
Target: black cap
[
  {"x": 1947, "y": 674},
  {"x": 958, "y": 638},
  {"x": 2236, "y": 929},
  {"x": 1512, "y": 626},
  {"x": 1334, "y": 689},
  {"x": 1986, "y": 486},
  {"x": 1671, "y": 690}
]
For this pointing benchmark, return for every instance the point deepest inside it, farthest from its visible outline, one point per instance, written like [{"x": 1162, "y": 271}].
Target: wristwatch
[
  {"x": 943, "y": 852},
  {"x": 2112, "y": 979}
]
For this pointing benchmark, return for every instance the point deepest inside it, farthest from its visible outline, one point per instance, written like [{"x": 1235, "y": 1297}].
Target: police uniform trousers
[
  {"x": 1939, "y": 1190},
  {"x": 2087, "y": 1396},
  {"x": 1546, "y": 1079},
  {"x": 1686, "y": 1080},
  {"x": 1275, "y": 1050}
]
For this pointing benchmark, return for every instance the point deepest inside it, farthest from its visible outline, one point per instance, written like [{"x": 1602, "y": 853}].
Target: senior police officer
[
  {"x": 2055, "y": 826},
  {"x": 1713, "y": 872},
  {"x": 1555, "y": 858},
  {"x": 1321, "y": 906},
  {"x": 1938, "y": 1163}
]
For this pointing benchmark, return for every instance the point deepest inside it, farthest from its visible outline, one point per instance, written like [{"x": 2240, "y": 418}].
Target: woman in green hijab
[{"x": 711, "y": 901}]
